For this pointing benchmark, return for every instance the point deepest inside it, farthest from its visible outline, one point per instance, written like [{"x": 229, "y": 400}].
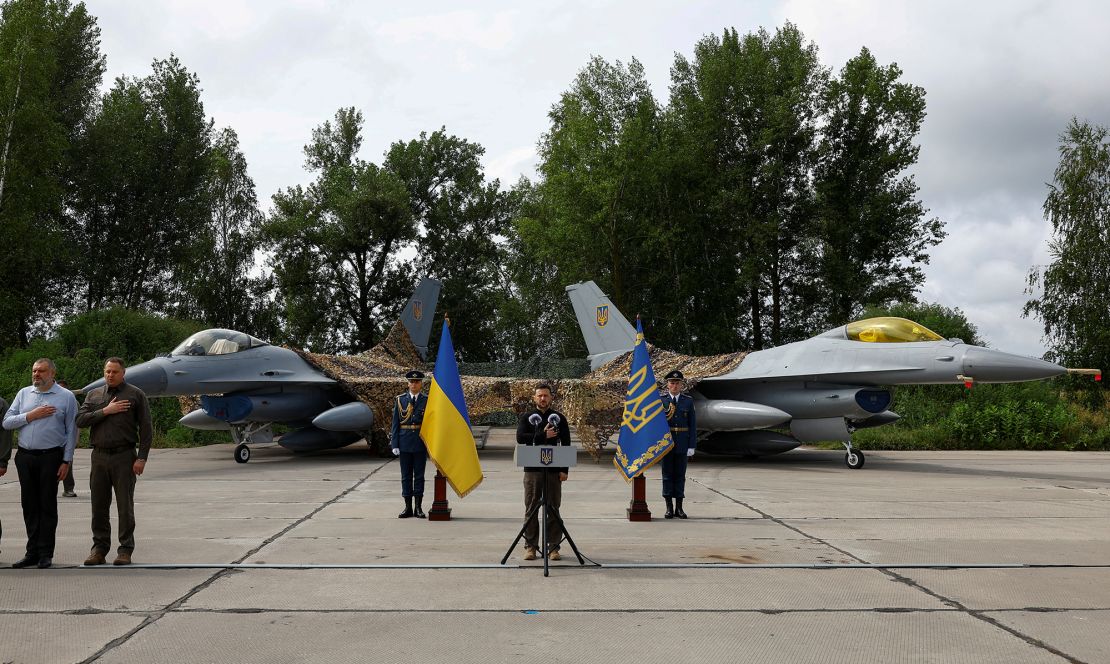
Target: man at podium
[{"x": 543, "y": 425}]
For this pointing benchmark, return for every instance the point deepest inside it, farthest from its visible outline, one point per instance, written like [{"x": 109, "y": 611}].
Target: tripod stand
[{"x": 529, "y": 456}]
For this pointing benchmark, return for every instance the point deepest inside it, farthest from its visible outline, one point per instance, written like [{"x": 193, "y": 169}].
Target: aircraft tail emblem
[
  {"x": 606, "y": 331},
  {"x": 418, "y": 325}
]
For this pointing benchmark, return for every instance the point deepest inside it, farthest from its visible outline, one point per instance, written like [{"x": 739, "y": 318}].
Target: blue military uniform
[
  {"x": 684, "y": 432},
  {"x": 408, "y": 415}
]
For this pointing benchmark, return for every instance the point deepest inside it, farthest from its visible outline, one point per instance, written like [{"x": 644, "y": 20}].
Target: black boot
[
  {"x": 678, "y": 509},
  {"x": 419, "y": 511},
  {"x": 670, "y": 508},
  {"x": 408, "y": 509}
]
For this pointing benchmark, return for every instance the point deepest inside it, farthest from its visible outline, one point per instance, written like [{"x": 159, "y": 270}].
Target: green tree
[
  {"x": 872, "y": 230},
  {"x": 224, "y": 293},
  {"x": 50, "y": 68},
  {"x": 144, "y": 201},
  {"x": 1075, "y": 287},
  {"x": 596, "y": 209},
  {"x": 335, "y": 245},
  {"x": 461, "y": 218},
  {"x": 745, "y": 112}
]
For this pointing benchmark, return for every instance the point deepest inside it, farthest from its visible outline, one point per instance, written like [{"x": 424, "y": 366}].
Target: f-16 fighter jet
[
  {"x": 823, "y": 388},
  {"x": 247, "y": 385}
]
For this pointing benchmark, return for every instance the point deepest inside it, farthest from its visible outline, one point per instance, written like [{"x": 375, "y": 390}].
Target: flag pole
[
  {"x": 441, "y": 509},
  {"x": 638, "y": 507}
]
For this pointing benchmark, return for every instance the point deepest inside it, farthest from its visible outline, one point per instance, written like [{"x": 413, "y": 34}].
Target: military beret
[
  {"x": 675, "y": 375},
  {"x": 415, "y": 375}
]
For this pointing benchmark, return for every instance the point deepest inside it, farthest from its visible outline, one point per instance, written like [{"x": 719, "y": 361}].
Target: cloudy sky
[{"x": 1002, "y": 81}]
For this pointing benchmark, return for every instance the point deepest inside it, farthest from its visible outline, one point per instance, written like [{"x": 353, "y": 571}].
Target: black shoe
[
  {"x": 419, "y": 511},
  {"x": 25, "y": 561},
  {"x": 45, "y": 562},
  {"x": 408, "y": 509},
  {"x": 670, "y": 508},
  {"x": 678, "y": 509}
]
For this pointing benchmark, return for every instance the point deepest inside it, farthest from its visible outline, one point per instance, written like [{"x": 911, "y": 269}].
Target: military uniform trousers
[
  {"x": 112, "y": 472},
  {"x": 38, "y": 494},
  {"x": 533, "y": 484},
  {"x": 674, "y": 473},
  {"x": 412, "y": 473}
]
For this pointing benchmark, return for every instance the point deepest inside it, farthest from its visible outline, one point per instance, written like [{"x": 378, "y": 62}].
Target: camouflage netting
[{"x": 593, "y": 404}]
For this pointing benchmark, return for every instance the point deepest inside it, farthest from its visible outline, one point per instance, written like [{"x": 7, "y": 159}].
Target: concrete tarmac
[{"x": 917, "y": 557}]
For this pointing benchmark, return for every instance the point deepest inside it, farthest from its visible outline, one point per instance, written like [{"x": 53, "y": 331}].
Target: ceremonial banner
[
  {"x": 644, "y": 437},
  {"x": 446, "y": 428}
]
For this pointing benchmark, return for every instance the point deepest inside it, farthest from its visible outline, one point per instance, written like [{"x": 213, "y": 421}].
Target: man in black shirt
[
  {"x": 118, "y": 415},
  {"x": 543, "y": 425}
]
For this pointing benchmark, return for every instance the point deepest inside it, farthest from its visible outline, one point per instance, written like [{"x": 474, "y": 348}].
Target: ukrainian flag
[
  {"x": 446, "y": 426},
  {"x": 645, "y": 437}
]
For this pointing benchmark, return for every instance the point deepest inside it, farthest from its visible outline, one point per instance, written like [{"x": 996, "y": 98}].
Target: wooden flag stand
[
  {"x": 440, "y": 510},
  {"x": 638, "y": 509}
]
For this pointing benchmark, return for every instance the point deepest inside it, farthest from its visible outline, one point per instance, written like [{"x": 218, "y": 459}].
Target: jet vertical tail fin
[
  {"x": 606, "y": 331},
  {"x": 419, "y": 312}
]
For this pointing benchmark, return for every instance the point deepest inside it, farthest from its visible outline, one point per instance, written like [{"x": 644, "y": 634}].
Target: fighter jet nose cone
[
  {"x": 993, "y": 366},
  {"x": 149, "y": 377}
]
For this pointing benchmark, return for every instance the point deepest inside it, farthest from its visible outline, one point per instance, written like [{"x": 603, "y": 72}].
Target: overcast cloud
[{"x": 1002, "y": 81}]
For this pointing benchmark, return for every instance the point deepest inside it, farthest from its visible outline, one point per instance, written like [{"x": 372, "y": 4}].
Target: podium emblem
[{"x": 547, "y": 455}]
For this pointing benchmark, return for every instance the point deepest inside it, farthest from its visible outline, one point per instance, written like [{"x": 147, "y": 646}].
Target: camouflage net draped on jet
[{"x": 593, "y": 404}]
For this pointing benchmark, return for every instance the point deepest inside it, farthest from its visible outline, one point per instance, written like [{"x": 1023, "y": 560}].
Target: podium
[{"x": 547, "y": 457}]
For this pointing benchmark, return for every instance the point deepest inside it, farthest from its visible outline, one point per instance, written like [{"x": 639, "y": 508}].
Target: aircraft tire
[
  {"x": 242, "y": 453},
  {"x": 854, "y": 459}
]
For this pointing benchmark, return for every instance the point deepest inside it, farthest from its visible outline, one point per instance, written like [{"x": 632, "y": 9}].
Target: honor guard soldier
[
  {"x": 679, "y": 409},
  {"x": 408, "y": 414}
]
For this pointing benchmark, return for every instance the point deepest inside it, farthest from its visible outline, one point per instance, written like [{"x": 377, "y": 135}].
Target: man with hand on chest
[{"x": 118, "y": 417}]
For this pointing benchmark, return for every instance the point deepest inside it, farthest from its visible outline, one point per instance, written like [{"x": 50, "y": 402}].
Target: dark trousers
[
  {"x": 412, "y": 473},
  {"x": 110, "y": 473},
  {"x": 674, "y": 474},
  {"x": 38, "y": 493},
  {"x": 534, "y": 483},
  {"x": 67, "y": 483}
]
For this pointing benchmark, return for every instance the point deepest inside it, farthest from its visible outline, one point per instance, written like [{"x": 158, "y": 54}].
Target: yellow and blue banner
[
  {"x": 645, "y": 437},
  {"x": 446, "y": 428}
]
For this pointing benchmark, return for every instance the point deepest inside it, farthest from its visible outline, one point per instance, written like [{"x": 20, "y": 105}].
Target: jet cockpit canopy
[
  {"x": 217, "y": 342},
  {"x": 889, "y": 329}
]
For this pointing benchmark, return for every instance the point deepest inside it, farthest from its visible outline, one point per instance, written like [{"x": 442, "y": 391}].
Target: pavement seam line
[
  {"x": 174, "y": 605},
  {"x": 978, "y": 615}
]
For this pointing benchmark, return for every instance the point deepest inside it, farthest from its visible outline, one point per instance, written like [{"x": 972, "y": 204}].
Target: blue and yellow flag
[
  {"x": 446, "y": 428},
  {"x": 645, "y": 437}
]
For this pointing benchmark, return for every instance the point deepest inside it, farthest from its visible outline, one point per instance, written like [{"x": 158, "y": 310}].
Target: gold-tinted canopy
[{"x": 889, "y": 329}]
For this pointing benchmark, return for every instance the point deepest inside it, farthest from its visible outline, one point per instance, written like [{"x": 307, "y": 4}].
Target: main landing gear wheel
[
  {"x": 854, "y": 459},
  {"x": 242, "y": 453}
]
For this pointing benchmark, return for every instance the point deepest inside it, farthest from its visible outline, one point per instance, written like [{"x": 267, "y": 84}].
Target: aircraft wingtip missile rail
[{"x": 1097, "y": 373}]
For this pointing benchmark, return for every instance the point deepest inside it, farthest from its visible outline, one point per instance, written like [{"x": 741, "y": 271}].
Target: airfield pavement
[{"x": 794, "y": 558}]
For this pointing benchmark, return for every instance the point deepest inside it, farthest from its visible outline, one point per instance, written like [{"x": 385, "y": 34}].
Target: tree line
[{"x": 766, "y": 199}]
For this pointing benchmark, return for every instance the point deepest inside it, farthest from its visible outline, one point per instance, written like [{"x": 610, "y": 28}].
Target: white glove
[
  {"x": 396, "y": 452},
  {"x": 690, "y": 452}
]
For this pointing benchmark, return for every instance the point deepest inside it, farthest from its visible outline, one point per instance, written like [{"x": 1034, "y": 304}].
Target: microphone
[
  {"x": 534, "y": 419},
  {"x": 553, "y": 419}
]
